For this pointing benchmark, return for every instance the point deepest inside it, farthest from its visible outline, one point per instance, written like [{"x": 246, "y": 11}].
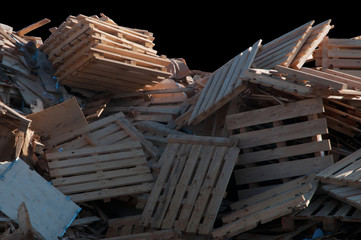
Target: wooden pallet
[
  {"x": 97, "y": 54},
  {"x": 282, "y": 50},
  {"x": 279, "y": 143},
  {"x": 348, "y": 195},
  {"x": 344, "y": 172},
  {"x": 267, "y": 206},
  {"x": 223, "y": 85},
  {"x": 103, "y": 172},
  {"x": 189, "y": 189},
  {"x": 328, "y": 210},
  {"x": 109, "y": 130},
  {"x": 340, "y": 54}
]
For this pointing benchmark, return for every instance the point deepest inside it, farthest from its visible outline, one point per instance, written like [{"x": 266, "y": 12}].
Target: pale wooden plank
[
  {"x": 281, "y": 134},
  {"x": 282, "y": 170},
  {"x": 275, "y": 113}
]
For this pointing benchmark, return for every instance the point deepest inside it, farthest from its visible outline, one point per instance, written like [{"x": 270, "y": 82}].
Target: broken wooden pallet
[
  {"x": 194, "y": 174},
  {"x": 267, "y": 206},
  {"x": 105, "y": 131},
  {"x": 326, "y": 209},
  {"x": 223, "y": 85},
  {"x": 94, "y": 53},
  {"x": 279, "y": 143}
]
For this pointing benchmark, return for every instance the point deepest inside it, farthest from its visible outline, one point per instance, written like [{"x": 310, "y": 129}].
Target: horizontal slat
[
  {"x": 275, "y": 113},
  {"x": 114, "y": 192},
  {"x": 100, "y": 175},
  {"x": 281, "y": 133},
  {"x": 283, "y": 152},
  {"x": 282, "y": 170}
]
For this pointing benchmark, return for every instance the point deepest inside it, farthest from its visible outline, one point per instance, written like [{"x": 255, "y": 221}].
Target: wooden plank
[
  {"x": 314, "y": 79},
  {"x": 275, "y": 113},
  {"x": 282, "y": 170},
  {"x": 281, "y": 134}
]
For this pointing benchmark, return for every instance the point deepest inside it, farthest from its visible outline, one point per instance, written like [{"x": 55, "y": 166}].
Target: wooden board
[
  {"x": 267, "y": 206},
  {"x": 50, "y": 211},
  {"x": 109, "y": 130},
  {"x": 190, "y": 186},
  {"x": 223, "y": 85},
  {"x": 343, "y": 172},
  {"x": 282, "y": 50},
  {"x": 279, "y": 143},
  {"x": 93, "y": 173},
  {"x": 62, "y": 118}
]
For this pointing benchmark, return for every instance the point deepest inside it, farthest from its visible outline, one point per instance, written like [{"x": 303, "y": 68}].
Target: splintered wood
[
  {"x": 192, "y": 181},
  {"x": 97, "y": 54}
]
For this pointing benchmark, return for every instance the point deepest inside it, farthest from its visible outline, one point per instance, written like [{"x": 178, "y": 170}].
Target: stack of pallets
[{"x": 97, "y": 54}]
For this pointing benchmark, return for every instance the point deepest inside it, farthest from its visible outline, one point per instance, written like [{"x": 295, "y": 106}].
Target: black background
[{"x": 205, "y": 34}]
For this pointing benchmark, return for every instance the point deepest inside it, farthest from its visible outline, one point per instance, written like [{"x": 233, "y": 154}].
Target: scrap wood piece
[
  {"x": 282, "y": 50},
  {"x": 278, "y": 143},
  {"x": 223, "y": 85},
  {"x": 93, "y": 173},
  {"x": 267, "y": 206},
  {"x": 44, "y": 202},
  {"x": 314, "y": 39},
  {"x": 201, "y": 169},
  {"x": 32, "y": 27},
  {"x": 62, "y": 118}
]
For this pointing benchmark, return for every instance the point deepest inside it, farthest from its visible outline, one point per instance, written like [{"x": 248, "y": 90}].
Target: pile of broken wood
[{"x": 138, "y": 146}]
